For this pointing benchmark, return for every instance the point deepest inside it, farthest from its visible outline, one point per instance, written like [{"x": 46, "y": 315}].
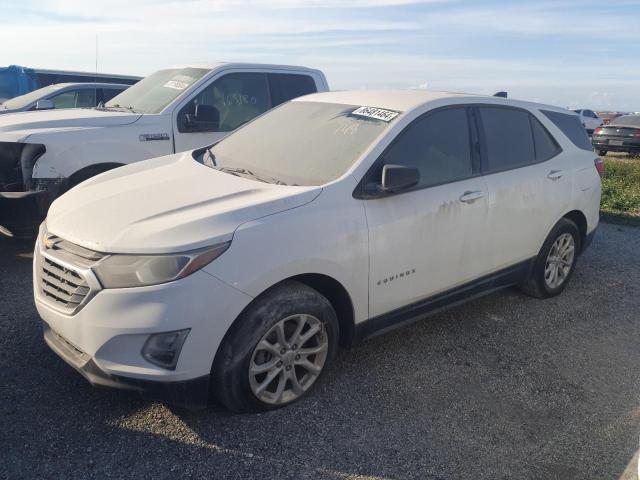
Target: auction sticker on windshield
[
  {"x": 176, "y": 84},
  {"x": 377, "y": 113}
]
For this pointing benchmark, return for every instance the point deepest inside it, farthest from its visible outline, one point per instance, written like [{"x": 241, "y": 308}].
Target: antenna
[{"x": 95, "y": 78}]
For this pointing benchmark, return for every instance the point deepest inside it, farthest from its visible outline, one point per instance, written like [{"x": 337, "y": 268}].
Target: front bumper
[
  {"x": 103, "y": 339},
  {"x": 192, "y": 394},
  {"x": 22, "y": 212}
]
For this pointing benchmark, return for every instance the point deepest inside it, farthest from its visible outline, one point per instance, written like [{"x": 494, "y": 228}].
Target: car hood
[
  {"x": 18, "y": 126},
  {"x": 164, "y": 205}
]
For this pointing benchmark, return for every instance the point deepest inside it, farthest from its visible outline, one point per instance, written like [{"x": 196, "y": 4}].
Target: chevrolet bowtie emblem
[{"x": 50, "y": 242}]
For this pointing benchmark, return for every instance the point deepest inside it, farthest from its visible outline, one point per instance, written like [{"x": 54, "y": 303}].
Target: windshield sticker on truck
[
  {"x": 176, "y": 84},
  {"x": 377, "y": 113}
]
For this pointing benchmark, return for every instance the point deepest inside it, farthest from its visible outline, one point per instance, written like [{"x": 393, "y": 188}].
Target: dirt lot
[{"x": 503, "y": 387}]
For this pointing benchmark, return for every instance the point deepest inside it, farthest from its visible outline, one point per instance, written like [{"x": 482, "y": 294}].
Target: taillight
[
  {"x": 636, "y": 132},
  {"x": 599, "y": 163},
  {"x": 597, "y": 131}
]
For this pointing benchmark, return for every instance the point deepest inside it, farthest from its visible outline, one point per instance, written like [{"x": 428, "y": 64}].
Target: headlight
[{"x": 121, "y": 271}]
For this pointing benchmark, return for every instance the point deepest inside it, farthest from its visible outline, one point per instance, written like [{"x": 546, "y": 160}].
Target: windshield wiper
[
  {"x": 239, "y": 172},
  {"x": 116, "y": 107},
  {"x": 209, "y": 161}
]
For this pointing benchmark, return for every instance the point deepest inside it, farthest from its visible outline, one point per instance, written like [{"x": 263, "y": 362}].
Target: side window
[
  {"x": 508, "y": 138},
  {"x": 571, "y": 126},
  {"x": 285, "y": 86},
  {"x": 226, "y": 104},
  {"x": 438, "y": 145},
  {"x": 109, "y": 93},
  {"x": 64, "y": 100},
  {"x": 86, "y": 98},
  {"x": 545, "y": 145}
]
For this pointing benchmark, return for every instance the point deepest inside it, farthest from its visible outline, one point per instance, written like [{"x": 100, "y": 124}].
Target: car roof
[
  {"x": 89, "y": 84},
  {"x": 405, "y": 100},
  {"x": 216, "y": 65}
]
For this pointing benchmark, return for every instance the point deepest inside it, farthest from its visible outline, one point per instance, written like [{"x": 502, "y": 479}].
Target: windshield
[
  {"x": 299, "y": 143},
  {"x": 627, "y": 120},
  {"x": 153, "y": 93},
  {"x": 28, "y": 98}
]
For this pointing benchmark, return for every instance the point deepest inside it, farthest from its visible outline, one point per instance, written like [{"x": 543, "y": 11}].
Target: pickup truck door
[
  {"x": 431, "y": 238},
  {"x": 231, "y": 100}
]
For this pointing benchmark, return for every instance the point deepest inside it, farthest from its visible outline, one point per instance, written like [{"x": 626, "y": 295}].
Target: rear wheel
[
  {"x": 277, "y": 349},
  {"x": 555, "y": 262},
  {"x": 602, "y": 153}
]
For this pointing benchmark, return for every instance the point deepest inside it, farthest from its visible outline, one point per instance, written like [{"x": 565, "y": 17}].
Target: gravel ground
[{"x": 502, "y": 387}]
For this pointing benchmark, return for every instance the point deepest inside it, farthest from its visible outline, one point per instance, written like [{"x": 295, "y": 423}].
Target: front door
[
  {"x": 222, "y": 106},
  {"x": 431, "y": 238}
]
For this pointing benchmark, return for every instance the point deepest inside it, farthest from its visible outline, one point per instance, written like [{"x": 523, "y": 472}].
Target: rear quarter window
[
  {"x": 571, "y": 126},
  {"x": 285, "y": 86},
  {"x": 545, "y": 145}
]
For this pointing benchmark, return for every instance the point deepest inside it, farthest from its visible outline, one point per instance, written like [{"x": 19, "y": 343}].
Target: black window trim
[
  {"x": 483, "y": 140},
  {"x": 360, "y": 192}
]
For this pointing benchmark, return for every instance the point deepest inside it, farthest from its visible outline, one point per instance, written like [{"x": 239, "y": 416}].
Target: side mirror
[
  {"x": 206, "y": 118},
  {"x": 396, "y": 178},
  {"x": 45, "y": 104}
]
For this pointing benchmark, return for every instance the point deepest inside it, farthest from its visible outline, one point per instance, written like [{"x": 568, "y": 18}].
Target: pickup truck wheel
[
  {"x": 276, "y": 350},
  {"x": 555, "y": 262}
]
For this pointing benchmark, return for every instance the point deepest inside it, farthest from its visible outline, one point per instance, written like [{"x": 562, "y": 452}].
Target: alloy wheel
[
  {"x": 288, "y": 359},
  {"x": 559, "y": 261}
]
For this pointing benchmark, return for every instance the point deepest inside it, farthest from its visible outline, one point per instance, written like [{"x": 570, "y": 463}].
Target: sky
[{"x": 578, "y": 54}]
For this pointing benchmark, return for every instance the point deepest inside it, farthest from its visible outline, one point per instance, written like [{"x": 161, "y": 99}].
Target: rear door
[
  {"x": 529, "y": 185},
  {"x": 430, "y": 238}
]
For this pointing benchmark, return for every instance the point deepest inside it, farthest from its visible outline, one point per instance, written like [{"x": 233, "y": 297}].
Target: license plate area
[{"x": 617, "y": 143}]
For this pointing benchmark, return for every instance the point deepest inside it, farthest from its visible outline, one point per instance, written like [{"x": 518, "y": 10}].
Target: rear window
[
  {"x": 570, "y": 125},
  {"x": 508, "y": 138},
  {"x": 285, "y": 86},
  {"x": 627, "y": 121}
]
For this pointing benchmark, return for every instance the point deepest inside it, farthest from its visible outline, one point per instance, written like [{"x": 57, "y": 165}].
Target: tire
[
  {"x": 290, "y": 304},
  {"x": 602, "y": 153},
  {"x": 79, "y": 177},
  {"x": 539, "y": 284}
]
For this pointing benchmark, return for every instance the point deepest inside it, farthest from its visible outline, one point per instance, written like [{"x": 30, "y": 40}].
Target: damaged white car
[
  {"x": 238, "y": 269},
  {"x": 44, "y": 154}
]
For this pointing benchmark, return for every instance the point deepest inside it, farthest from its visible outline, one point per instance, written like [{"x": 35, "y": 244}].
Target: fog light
[{"x": 163, "y": 349}]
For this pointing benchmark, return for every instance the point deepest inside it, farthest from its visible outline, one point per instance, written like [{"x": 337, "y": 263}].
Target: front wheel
[
  {"x": 555, "y": 262},
  {"x": 277, "y": 349}
]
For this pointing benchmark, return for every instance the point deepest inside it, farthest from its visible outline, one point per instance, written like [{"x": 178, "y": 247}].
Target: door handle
[
  {"x": 555, "y": 174},
  {"x": 470, "y": 197}
]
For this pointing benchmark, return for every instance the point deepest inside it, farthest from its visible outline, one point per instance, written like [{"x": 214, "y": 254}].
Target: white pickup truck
[{"x": 44, "y": 154}]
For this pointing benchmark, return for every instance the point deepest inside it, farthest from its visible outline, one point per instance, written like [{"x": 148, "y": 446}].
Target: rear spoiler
[{"x": 500, "y": 94}]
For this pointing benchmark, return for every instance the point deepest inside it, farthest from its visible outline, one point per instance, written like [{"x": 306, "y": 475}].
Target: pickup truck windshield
[
  {"x": 153, "y": 93},
  {"x": 298, "y": 143},
  {"x": 26, "y": 99}
]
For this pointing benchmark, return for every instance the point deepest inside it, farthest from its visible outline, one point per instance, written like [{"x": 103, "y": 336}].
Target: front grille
[
  {"x": 62, "y": 286},
  {"x": 65, "y": 279}
]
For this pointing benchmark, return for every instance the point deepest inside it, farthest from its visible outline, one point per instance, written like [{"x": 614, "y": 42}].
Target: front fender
[{"x": 71, "y": 151}]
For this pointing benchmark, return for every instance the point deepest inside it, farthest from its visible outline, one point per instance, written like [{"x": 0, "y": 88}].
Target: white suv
[
  {"x": 589, "y": 119},
  {"x": 238, "y": 269}
]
